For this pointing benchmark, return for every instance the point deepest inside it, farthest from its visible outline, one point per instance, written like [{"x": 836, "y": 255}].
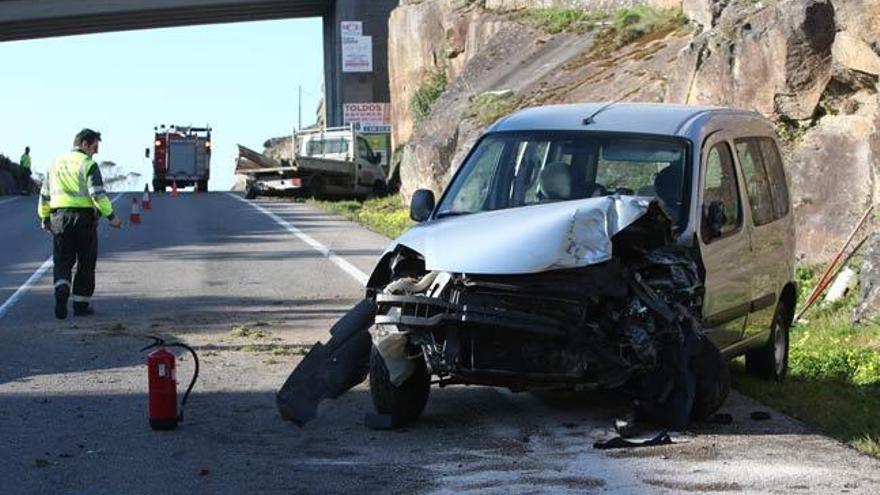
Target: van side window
[
  {"x": 776, "y": 174},
  {"x": 722, "y": 211},
  {"x": 757, "y": 182}
]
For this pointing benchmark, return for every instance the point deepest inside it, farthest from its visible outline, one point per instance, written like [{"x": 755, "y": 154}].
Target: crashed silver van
[{"x": 579, "y": 247}]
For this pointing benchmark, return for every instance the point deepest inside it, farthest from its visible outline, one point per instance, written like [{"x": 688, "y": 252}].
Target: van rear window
[
  {"x": 757, "y": 182},
  {"x": 776, "y": 174}
]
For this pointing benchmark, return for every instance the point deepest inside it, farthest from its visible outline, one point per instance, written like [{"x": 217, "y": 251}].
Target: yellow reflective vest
[{"x": 74, "y": 181}]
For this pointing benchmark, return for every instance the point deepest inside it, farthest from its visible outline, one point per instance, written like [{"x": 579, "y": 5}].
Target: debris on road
[
  {"x": 330, "y": 369},
  {"x": 760, "y": 415},
  {"x": 843, "y": 282},
  {"x": 722, "y": 419},
  {"x": 661, "y": 438}
]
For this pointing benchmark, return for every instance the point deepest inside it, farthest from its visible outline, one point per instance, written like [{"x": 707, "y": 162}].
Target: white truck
[{"x": 331, "y": 162}]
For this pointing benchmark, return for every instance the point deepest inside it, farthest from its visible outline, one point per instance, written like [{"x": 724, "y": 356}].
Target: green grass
[
  {"x": 556, "y": 19},
  {"x": 387, "y": 216},
  {"x": 425, "y": 96},
  {"x": 251, "y": 331},
  {"x": 489, "y": 107},
  {"x": 617, "y": 28},
  {"x": 834, "y": 374},
  {"x": 631, "y": 24}
]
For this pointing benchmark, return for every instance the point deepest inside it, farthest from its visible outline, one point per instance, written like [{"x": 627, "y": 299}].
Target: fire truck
[{"x": 181, "y": 155}]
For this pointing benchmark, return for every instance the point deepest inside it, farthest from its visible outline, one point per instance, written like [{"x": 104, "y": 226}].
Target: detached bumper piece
[{"x": 330, "y": 369}]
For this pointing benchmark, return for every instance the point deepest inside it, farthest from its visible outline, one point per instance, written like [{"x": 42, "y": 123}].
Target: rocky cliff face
[{"x": 811, "y": 66}]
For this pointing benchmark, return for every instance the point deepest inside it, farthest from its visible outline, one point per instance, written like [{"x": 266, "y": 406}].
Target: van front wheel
[{"x": 404, "y": 403}]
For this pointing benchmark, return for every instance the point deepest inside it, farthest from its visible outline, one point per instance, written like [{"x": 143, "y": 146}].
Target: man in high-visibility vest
[
  {"x": 72, "y": 201},
  {"x": 25, "y": 178}
]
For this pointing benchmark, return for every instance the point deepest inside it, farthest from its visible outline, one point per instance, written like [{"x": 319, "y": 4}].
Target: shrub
[
  {"x": 489, "y": 107},
  {"x": 424, "y": 97},
  {"x": 556, "y": 20}
]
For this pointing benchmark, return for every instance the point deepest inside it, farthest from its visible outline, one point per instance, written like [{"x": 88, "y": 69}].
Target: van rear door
[{"x": 770, "y": 225}]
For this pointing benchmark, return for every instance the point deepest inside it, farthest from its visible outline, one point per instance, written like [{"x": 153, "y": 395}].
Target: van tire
[
  {"x": 712, "y": 383},
  {"x": 404, "y": 403},
  {"x": 771, "y": 361},
  {"x": 379, "y": 189}
]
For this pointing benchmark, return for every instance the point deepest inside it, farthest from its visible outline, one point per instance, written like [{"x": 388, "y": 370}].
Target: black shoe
[
  {"x": 61, "y": 295},
  {"x": 82, "y": 309}
]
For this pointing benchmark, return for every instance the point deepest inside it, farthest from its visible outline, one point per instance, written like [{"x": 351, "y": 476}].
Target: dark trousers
[
  {"x": 76, "y": 242},
  {"x": 23, "y": 177}
]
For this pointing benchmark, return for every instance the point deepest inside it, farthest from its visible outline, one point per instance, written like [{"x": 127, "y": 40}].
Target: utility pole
[{"x": 299, "y": 123}]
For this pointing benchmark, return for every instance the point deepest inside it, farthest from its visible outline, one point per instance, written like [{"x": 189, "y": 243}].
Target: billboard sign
[
  {"x": 351, "y": 28},
  {"x": 366, "y": 113},
  {"x": 357, "y": 54}
]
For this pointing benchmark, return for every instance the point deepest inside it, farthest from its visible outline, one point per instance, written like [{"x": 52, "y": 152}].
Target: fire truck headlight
[
  {"x": 207, "y": 144},
  {"x": 158, "y": 143}
]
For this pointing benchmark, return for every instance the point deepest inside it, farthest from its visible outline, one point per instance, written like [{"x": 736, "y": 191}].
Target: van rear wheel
[{"x": 771, "y": 361}]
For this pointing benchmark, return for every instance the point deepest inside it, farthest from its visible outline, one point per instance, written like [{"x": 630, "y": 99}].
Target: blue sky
[{"x": 240, "y": 78}]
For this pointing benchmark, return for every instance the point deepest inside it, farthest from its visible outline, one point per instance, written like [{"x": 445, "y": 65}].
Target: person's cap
[{"x": 87, "y": 135}]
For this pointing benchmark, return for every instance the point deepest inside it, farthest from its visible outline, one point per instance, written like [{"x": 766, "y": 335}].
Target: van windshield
[{"x": 510, "y": 170}]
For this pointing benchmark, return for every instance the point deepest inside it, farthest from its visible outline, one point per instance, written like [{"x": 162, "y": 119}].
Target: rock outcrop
[{"x": 811, "y": 66}]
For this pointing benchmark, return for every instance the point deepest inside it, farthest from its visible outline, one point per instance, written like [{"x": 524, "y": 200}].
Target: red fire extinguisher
[{"x": 164, "y": 414}]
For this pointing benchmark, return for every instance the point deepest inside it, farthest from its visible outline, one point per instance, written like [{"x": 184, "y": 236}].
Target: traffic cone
[
  {"x": 135, "y": 217},
  {"x": 174, "y": 189},
  {"x": 148, "y": 204}
]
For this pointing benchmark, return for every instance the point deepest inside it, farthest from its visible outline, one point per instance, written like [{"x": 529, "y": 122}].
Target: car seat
[
  {"x": 667, "y": 187},
  {"x": 555, "y": 182}
]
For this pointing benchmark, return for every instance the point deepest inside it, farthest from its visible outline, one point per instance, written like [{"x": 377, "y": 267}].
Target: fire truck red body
[{"x": 181, "y": 155}]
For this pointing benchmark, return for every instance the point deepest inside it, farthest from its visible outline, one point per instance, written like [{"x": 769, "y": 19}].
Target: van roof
[{"x": 642, "y": 118}]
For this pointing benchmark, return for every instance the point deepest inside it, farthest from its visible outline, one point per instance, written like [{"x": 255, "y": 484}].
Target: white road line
[
  {"x": 10, "y": 200},
  {"x": 326, "y": 252},
  {"x": 33, "y": 279}
]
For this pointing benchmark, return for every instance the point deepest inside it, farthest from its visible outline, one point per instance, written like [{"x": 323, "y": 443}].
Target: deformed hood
[{"x": 528, "y": 239}]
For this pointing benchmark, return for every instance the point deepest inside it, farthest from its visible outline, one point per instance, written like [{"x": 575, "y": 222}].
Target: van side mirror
[
  {"x": 713, "y": 220},
  {"x": 146, "y": 152},
  {"x": 422, "y": 205}
]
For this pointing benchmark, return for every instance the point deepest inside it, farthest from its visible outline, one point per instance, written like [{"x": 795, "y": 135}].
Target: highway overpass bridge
[{"x": 30, "y": 19}]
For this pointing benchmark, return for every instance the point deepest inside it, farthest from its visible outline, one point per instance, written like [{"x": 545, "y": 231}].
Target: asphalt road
[{"x": 251, "y": 289}]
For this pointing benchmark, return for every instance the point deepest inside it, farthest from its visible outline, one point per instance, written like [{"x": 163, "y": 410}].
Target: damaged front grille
[{"x": 548, "y": 327}]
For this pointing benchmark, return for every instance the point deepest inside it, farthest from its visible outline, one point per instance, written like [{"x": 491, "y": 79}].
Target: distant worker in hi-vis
[
  {"x": 72, "y": 200},
  {"x": 24, "y": 179}
]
